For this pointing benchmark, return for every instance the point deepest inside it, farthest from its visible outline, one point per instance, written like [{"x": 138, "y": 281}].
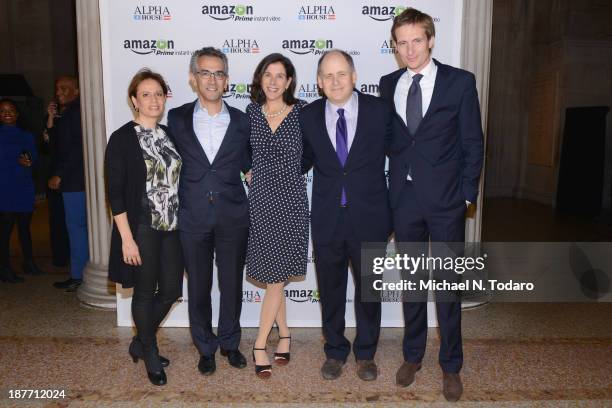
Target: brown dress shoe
[
  {"x": 332, "y": 369},
  {"x": 367, "y": 370},
  {"x": 405, "y": 374},
  {"x": 452, "y": 388}
]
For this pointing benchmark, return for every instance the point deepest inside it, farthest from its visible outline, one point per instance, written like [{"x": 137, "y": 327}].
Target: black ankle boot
[
  {"x": 136, "y": 352},
  {"x": 29, "y": 267},
  {"x": 155, "y": 371}
]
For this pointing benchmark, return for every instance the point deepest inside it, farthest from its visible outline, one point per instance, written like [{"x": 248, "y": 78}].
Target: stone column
[
  {"x": 96, "y": 290},
  {"x": 476, "y": 57}
]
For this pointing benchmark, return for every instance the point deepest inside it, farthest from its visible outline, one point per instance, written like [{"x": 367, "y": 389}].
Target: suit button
[
  {"x": 213, "y": 171},
  {"x": 345, "y": 173},
  {"x": 413, "y": 142}
]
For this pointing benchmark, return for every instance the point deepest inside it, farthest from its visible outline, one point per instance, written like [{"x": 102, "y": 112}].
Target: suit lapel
[
  {"x": 438, "y": 92},
  {"x": 361, "y": 113},
  {"x": 323, "y": 130},
  {"x": 192, "y": 135},
  {"x": 228, "y": 133},
  {"x": 394, "y": 81}
]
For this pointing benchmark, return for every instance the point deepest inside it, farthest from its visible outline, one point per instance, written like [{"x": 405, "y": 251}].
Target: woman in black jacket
[{"x": 142, "y": 170}]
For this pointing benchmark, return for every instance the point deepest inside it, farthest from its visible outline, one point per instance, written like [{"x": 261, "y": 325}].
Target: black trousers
[
  {"x": 332, "y": 261},
  {"x": 229, "y": 244},
  {"x": 159, "y": 279},
  {"x": 7, "y": 221},
  {"x": 412, "y": 223},
  {"x": 58, "y": 234}
]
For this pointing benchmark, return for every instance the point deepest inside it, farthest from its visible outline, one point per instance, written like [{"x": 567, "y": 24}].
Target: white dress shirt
[
  {"x": 210, "y": 130},
  {"x": 427, "y": 86},
  {"x": 351, "y": 108}
]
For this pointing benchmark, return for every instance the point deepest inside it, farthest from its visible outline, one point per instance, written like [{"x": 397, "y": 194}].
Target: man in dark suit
[
  {"x": 212, "y": 139},
  {"x": 435, "y": 163},
  {"x": 345, "y": 138},
  {"x": 68, "y": 176}
]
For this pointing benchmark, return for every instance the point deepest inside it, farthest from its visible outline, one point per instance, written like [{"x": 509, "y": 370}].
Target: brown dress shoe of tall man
[
  {"x": 367, "y": 370},
  {"x": 405, "y": 374},
  {"x": 452, "y": 388}
]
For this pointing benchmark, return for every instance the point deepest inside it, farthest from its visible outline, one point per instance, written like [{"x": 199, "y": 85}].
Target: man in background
[
  {"x": 68, "y": 177},
  {"x": 58, "y": 234}
]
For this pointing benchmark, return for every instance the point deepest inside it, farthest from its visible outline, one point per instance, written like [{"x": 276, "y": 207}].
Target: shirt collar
[
  {"x": 349, "y": 106},
  {"x": 427, "y": 71},
  {"x": 201, "y": 109}
]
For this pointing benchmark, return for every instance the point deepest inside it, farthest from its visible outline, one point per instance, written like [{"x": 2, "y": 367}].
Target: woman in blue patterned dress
[{"x": 278, "y": 204}]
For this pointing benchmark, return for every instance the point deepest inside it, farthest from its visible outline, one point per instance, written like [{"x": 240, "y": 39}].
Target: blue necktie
[
  {"x": 341, "y": 145},
  {"x": 414, "y": 105}
]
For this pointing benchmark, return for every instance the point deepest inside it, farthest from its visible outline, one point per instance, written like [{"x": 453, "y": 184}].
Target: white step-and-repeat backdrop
[{"x": 162, "y": 35}]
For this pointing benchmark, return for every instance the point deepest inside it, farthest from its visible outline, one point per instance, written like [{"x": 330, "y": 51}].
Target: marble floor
[{"x": 516, "y": 355}]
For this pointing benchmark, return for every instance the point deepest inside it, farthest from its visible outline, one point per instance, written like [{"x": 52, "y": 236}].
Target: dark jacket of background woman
[
  {"x": 125, "y": 171},
  {"x": 16, "y": 184}
]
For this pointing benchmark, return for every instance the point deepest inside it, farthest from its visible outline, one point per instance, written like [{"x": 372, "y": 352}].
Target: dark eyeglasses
[{"x": 205, "y": 74}]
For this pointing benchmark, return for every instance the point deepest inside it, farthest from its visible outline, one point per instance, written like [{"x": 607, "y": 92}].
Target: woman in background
[
  {"x": 142, "y": 171},
  {"x": 17, "y": 154}
]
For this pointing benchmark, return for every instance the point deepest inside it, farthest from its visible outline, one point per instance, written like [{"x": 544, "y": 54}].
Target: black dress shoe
[
  {"x": 29, "y": 267},
  {"x": 70, "y": 285},
  {"x": 7, "y": 275},
  {"x": 207, "y": 365},
  {"x": 136, "y": 352},
  {"x": 235, "y": 358}
]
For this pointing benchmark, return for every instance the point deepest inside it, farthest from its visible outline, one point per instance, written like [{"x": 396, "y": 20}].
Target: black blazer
[
  {"x": 69, "y": 165},
  {"x": 363, "y": 175},
  {"x": 126, "y": 174},
  {"x": 218, "y": 182},
  {"x": 446, "y": 152}
]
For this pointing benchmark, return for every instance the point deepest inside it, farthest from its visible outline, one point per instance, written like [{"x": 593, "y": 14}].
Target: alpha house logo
[
  {"x": 152, "y": 13},
  {"x": 238, "y": 91},
  {"x": 143, "y": 47},
  {"x": 240, "y": 46},
  {"x": 308, "y": 91},
  {"x": 317, "y": 12},
  {"x": 382, "y": 13},
  {"x": 238, "y": 12},
  {"x": 388, "y": 47},
  {"x": 302, "y": 47},
  {"x": 251, "y": 296}
]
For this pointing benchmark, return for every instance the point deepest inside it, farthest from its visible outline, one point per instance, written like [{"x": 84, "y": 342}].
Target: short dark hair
[
  {"x": 257, "y": 93},
  {"x": 345, "y": 54},
  {"x": 207, "y": 52},
  {"x": 144, "y": 74},
  {"x": 414, "y": 16}
]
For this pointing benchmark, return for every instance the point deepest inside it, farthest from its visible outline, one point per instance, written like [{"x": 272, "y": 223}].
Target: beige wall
[{"x": 546, "y": 56}]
